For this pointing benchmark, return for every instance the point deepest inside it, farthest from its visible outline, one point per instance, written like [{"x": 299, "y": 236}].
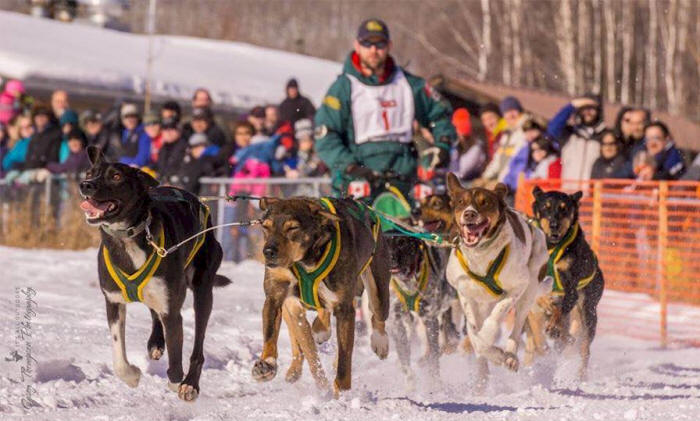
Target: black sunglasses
[{"x": 379, "y": 45}]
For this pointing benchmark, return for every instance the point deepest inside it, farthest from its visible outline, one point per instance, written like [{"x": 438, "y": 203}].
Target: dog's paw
[
  {"x": 380, "y": 344},
  {"x": 265, "y": 370},
  {"x": 187, "y": 392},
  {"x": 511, "y": 361},
  {"x": 321, "y": 336},
  {"x": 129, "y": 374},
  {"x": 293, "y": 373},
  {"x": 155, "y": 352}
]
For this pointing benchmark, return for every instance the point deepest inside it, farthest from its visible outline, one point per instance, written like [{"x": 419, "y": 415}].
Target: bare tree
[
  {"x": 651, "y": 49},
  {"x": 516, "y": 36},
  {"x": 670, "y": 35},
  {"x": 597, "y": 46},
  {"x": 485, "y": 46},
  {"x": 565, "y": 42},
  {"x": 627, "y": 48},
  {"x": 609, "y": 15}
]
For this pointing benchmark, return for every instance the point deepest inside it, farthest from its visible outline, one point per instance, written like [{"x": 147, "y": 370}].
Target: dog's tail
[{"x": 221, "y": 281}]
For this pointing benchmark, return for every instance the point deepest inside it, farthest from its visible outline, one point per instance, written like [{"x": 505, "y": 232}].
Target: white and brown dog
[{"x": 499, "y": 265}]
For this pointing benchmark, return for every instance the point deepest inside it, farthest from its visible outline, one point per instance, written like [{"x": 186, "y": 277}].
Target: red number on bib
[{"x": 385, "y": 117}]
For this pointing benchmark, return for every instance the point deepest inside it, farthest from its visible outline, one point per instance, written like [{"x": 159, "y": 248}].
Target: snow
[
  {"x": 237, "y": 74},
  {"x": 72, "y": 379}
]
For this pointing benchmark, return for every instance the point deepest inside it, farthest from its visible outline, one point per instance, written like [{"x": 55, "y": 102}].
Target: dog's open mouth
[
  {"x": 97, "y": 210},
  {"x": 474, "y": 231}
]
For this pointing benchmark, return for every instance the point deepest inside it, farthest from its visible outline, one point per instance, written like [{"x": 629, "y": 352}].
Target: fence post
[
  {"x": 47, "y": 191},
  {"x": 220, "y": 204},
  {"x": 597, "y": 214},
  {"x": 661, "y": 261}
]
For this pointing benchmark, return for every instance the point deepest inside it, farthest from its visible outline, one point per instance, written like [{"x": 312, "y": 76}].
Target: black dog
[
  {"x": 135, "y": 217},
  {"x": 578, "y": 280}
]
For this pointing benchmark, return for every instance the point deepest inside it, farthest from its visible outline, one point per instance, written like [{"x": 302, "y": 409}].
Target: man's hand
[{"x": 359, "y": 171}]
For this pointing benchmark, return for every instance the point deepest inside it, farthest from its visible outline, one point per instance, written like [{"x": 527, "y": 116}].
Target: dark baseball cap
[{"x": 373, "y": 29}]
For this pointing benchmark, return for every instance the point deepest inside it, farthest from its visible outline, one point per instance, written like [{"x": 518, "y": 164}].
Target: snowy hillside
[
  {"x": 72, "y": 378},
  {"x": 238, "y": 74}
]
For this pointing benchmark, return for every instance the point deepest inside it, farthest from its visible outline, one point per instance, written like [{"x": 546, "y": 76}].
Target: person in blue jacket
[
  {"x": 658, "y": 158},
  {"x": 133, "y": 145},
  {"x": 15, "y": 157}
]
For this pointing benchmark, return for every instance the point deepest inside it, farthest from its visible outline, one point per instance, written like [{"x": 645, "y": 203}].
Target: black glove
[{"x": 359, "y": 171}]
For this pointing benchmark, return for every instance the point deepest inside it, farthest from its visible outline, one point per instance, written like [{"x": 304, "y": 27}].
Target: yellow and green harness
[
  {"x": 490, "y": 281},
  {"x": 555, "y": 255},
  {"x": 132, "y": 285},
  {"x": 310, "y": 280},
  {"x": 411, "y": 300}
]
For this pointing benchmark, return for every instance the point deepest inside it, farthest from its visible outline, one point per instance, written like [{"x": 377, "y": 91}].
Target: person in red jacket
[{"x": 544, "y": 161}]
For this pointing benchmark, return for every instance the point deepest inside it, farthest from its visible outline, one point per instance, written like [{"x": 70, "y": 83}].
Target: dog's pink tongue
[{"x": 89, "y": 207}]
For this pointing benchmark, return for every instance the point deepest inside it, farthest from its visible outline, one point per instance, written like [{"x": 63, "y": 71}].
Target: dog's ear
[
  {"x": 501, "y": 191},
  {"x": 266, "y": 202},
  {"x": 95, "y": 154},
  {"x": 453, "y": 185},
  {"x": 146, "y": 179},
  {"x": 318, "y": 210},
  {"x": 576, "y": 197},
  {"x": 537, "y": 193}
]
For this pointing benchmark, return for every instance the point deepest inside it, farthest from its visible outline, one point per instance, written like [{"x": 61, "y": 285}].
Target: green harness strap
[
  {"x": 132, "y": 285},
  {"x": 555, "y": 255},
  {"x": 309, "y": 281},
  {"x": 490, "y": 281},
  {"x": 411, "y": 300}
]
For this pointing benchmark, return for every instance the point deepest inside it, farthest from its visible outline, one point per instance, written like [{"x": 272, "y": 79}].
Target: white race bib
[{"x": 382, "y": 113}]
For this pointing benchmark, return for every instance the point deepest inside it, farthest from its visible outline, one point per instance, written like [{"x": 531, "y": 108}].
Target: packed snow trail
[{"x": 72, "y": 378}]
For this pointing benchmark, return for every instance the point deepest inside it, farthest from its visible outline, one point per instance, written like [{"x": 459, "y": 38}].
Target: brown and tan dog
[{"x": 320, "y": 254}]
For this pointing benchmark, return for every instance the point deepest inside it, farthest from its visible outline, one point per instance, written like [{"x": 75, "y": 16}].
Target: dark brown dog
[{"x": 339, "y": 244}]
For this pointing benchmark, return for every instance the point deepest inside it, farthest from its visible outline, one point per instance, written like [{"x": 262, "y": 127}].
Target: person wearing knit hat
[
  {"x": 171, "y": 110},
  {"x": 462, "y": 122},
  {"x": 295, "y": 106},
  {"x": 510, "y": 143},
  {"x": 469, "y": 156},
  {"x": 303, "y": 128}
]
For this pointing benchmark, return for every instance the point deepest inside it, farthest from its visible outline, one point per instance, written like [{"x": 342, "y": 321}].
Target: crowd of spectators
[{"x": 37, "y": 140}]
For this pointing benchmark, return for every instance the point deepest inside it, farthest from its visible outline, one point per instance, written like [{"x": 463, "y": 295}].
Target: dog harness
[
  {"x": 555, "y": 255},
  {"x": 309, "y": 281},
  {"x": 490, "y": 281},
  {"x": 411, "y": 300},
  {"x": 132, "y": 285}
]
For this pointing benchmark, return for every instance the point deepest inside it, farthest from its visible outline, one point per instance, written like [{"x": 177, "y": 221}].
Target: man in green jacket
[{"x": 364, "y": 126}]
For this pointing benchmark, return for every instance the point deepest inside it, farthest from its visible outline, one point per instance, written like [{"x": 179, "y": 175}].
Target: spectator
[
  {"x": 612, "y": 162},
  {"x": 8, "y": 111},
  {"x": 15, "y": 158},
  {"x": 77, "y": 161},
  {"x": 543, "y": 160},
  {"x": 242, "y": 134},
  {"x": 295, "y": 106},
  {"x": 256, "y": 118},
  {"x": 4, "y": 146},
  {"x": 272, "y": 120},
  {"x": 308, "y": 163},
  {"x": 629, "y": 126},
  {"x": 68, "y": 123},
  {"x": 59, "y": 102},
  {"x": 494, "y": 126},
  {"x": 660, "y": 160},
  {"x": 95, "y": 132},
  {"x": 201, "y": 98},
  {"x": 133, "y": 147},
  {"x": 510, "y": 142},
  {"x": 203, "y": 122},
  {"x": 151, "y": 125},
  {"x": 172, "y": 151},
  {"x": 519, "y": 163},
  {"x": 580, "y": 143},
  {"x": 468, "y": 158},
  {"x": 45, "y": 144},
  {"x": 171, "y": 110},
  {"x": 195, "y": 164}
]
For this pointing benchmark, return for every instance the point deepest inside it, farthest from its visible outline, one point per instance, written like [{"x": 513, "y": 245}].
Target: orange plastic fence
[{"x": 647, "y": 238}]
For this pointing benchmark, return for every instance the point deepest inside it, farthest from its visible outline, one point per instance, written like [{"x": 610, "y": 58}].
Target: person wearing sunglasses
[
  {"x": 365, "y": 123},
  {"x": 612, "y": 161}
]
